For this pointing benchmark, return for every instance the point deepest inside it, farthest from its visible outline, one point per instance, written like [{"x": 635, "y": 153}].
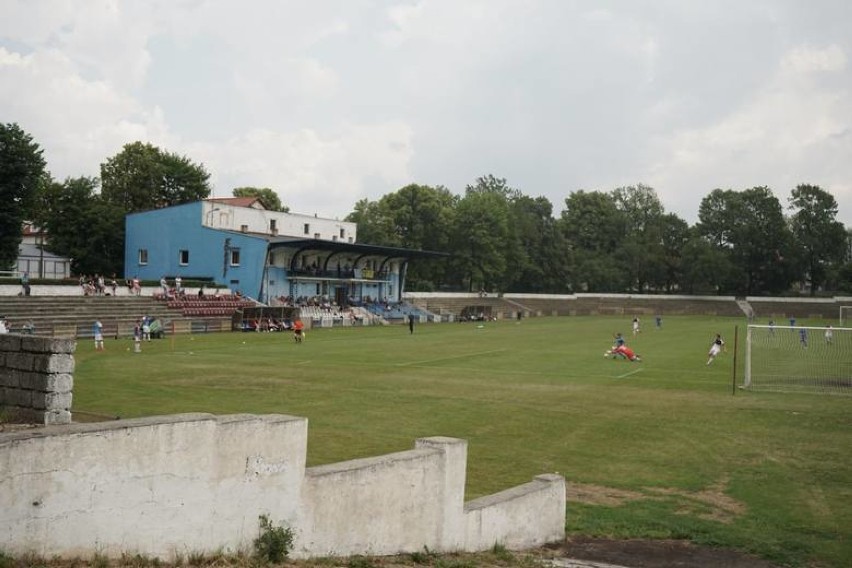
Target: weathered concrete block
[
  {"x": 16, "y": 397},
  {"x": 62, "y": 345},
  {"x": 51, "y": 400},
  {"x": 10, "y": 342},
  {"x": 19, "y": 361},
  {"x": 54, "y": 382},
  {"x": 56, "y": 363},
  {"x": 9, "y": 378},
  {"x": 57, "y": 417}
]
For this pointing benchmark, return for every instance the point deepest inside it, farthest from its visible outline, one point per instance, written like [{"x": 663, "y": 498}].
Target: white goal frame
[
  {"x": 847, "y": 312},
  {"x": 822, "y": 364}
]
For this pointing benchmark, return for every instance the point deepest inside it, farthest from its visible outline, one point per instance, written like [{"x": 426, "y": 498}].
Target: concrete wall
[
  {"x": 197, "y": 483},
  {"x": 36, "y": 379}
]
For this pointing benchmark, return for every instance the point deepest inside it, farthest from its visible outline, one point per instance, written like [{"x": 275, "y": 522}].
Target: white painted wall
[
  {"x": 197, "y": 483},
  {"x": 224, "y": 216}
]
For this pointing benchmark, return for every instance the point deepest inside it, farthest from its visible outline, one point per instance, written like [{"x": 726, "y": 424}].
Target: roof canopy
[{"x": 341, "y": 247}]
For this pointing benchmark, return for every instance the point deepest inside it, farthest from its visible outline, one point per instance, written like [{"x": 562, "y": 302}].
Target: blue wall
[{"x": 165, "y": 232}]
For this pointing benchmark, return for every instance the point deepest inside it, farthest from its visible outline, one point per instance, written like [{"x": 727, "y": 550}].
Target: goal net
[
  {"x": 799, "y": 359},
  {"x": 845, "y": 315}
]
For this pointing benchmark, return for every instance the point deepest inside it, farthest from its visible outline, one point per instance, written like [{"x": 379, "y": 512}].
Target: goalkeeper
[{"x": 625, "y": 352}]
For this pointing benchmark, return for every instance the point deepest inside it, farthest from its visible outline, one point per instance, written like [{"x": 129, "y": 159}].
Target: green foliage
[
  {"x": 820, "y": 237},
  {"x": 502, "y": 553},
  {"x": 424, "y": 556},
  {"x": 21, "y": 170},
  {"x": 750, "y": 229},
  {"x": 6, "y": 561},
  {"x": 358, "y": 561},
  {"x": 267, "y": 196},
  {"x": 274, "y": 543},
  {"x": 143, "y": 177},
  {"x": 82, "y": 226}
]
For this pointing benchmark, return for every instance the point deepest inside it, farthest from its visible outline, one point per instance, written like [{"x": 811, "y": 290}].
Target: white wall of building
[{"x": 223, "y": 216}]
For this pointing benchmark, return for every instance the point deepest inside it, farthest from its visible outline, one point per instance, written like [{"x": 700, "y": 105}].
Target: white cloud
[
  {"x": 312, "y": 172},
  {"x": 790, "y": 132}
]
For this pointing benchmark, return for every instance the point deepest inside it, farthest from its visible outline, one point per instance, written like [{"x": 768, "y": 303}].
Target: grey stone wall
[{"x": 36, "y": 379}]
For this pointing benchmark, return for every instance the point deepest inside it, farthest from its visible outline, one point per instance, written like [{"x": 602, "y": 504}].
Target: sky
[{"x": 333, "y": 101}]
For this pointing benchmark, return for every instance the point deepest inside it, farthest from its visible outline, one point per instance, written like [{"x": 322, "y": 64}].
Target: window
[
  {"x": 183, "y": 257},
  {"x": 143, "y": 256},
  {"x": 235, "y": 257},
  {"x": 307, "y": 228},
  {"x": 244, "y": 228},
  {"x": 342, "y": 233},
  {"x": 317, "y": 236},
  {"x": 273, "y": 226}
]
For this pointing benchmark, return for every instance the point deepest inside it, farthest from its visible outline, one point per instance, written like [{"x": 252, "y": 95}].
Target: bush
[{"x": 274, "y": 543}]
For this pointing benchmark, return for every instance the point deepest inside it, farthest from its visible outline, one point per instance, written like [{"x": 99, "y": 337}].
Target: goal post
[
  {"x": 798, "y": 359},
  {"x": 845, "y": 315}
]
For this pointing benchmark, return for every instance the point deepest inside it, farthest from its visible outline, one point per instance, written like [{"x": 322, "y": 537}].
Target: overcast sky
[{"x": 329, "y": 102}]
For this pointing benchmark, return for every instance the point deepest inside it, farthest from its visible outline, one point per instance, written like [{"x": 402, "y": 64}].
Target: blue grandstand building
[{"x": 262, "y": 254}]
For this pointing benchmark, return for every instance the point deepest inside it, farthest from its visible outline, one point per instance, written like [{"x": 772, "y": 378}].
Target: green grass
[{"x": 762, "y": 472}]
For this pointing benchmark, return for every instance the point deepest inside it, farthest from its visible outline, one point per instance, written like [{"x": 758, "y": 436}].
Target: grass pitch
[{"x": 658, "y": 449}]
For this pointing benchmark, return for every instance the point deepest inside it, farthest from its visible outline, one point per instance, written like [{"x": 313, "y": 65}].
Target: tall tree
[
  {"x": 641, "y": 253},
  {"x": 142, "y": 177},
  {"x": 21, "y": 170},
  {"x": 818, "y": 233},
  {"x": 267, "y": 196},
  {"x": 480, "y": 238},
  {"x": 83, "y": 226},
  {"x": 538, "y": 256},
  {"x": 594, "y": 228},
  {"x": 750, "y": 228}
]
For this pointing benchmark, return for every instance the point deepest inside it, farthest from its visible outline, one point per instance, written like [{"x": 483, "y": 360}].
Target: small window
[
  {"x": 244, "y": 228},
  {"x": 342, "y": 233},
  {"x": 273, "y": 225},
  {"x": 143, "y": 256},
  {"x": 334, "y": 238},
  {"x": 235, "y": 257},
  {"x": 183, "y": 257},
  {"x": 317, "y": 236},
  {"x": 307, "y": 228},
  {"x": 350, "y": 239}
]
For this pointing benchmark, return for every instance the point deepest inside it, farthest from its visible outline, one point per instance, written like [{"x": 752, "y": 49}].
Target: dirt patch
[
  {"x": 599, "y": 495},
  {"x": 638, "y": 553},
  {"x": 710, "y": 503}
]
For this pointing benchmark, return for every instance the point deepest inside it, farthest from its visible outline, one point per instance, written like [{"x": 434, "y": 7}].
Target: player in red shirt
[{"x": 626, "y": 352}]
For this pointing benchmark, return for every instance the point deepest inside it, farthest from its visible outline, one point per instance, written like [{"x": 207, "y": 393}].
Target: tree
[
  {"x": 267, "y": 196},
  {"x": 21, "y": 170},
  {"x": 480, "y": 239},
  {"x": 594, "y": 228},
  {"x": 142, "y": 177},
  {"x": 539, "y": 259},
  {"x": 642, "y": 251},
  {"x": 82, "y": 226},
  {"x": 817, "y": 232},
  {"x": 749, "y": 227}
]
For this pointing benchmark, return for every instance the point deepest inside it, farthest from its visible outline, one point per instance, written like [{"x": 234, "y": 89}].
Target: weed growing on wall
[{"x": 274, "y": 544}]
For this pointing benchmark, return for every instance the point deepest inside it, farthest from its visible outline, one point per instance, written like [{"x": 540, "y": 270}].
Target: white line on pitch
[
  {"x": 302, "y": 362},
  {"x": 449, "y": 358},
  {"x": 639, "y": 370}
]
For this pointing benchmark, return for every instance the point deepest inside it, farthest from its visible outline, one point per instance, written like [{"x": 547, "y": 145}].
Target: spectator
[{"x": 25, "y": 284}]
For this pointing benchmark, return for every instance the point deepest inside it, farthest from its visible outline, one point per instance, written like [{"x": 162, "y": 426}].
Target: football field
[{"x": 658, "y": 449}]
